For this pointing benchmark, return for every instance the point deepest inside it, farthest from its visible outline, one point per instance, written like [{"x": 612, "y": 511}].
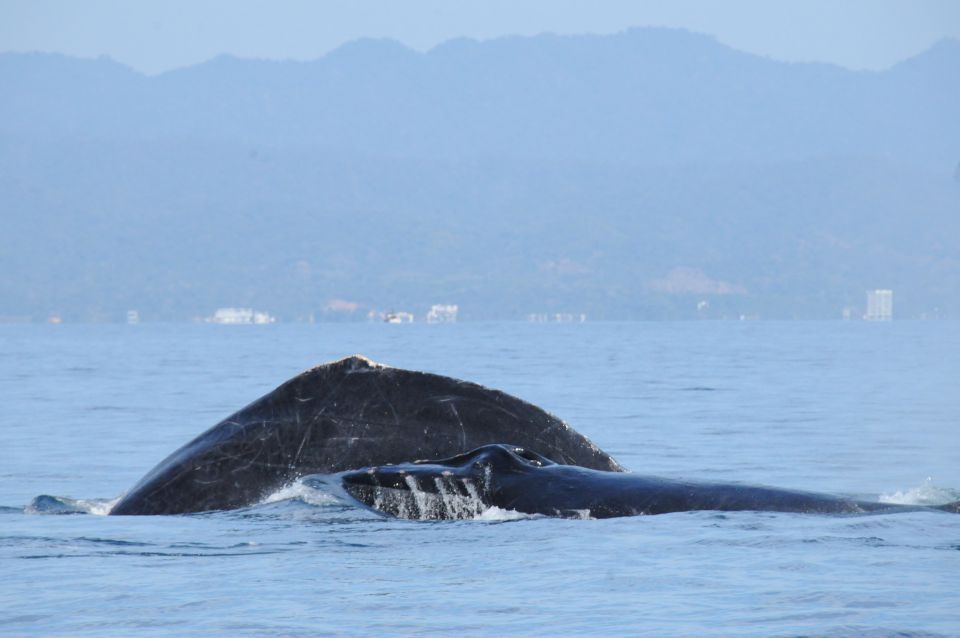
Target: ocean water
[{"x": 870, "y": 410}]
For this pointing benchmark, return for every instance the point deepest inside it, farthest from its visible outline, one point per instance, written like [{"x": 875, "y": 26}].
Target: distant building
[
  {"x": 239, "y": 316},
  {"x": 443, "y": 313},
  {"x": 879, "y": 305},
  {"x": 398, "y": 317}
]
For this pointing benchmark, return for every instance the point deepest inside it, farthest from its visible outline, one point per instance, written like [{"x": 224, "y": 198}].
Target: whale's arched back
[{"x": 344, "y": 415}]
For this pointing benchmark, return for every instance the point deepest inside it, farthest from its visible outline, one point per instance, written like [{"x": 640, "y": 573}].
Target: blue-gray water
[{"x": 854, "y": 408}]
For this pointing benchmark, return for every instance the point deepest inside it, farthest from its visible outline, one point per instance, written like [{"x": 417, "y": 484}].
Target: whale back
[{"x": 344, "y": 415}]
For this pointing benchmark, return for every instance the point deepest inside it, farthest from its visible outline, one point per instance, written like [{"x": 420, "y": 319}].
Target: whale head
[{"x": 460, "y": 487}]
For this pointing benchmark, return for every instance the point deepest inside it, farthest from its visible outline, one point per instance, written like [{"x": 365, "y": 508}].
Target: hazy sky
[{"x": 157, "y": 36}]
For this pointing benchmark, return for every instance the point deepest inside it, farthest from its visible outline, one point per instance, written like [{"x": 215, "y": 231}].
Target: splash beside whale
[
  {"x": 341, "y": 416},
  {"x": 510, "y": 477}
]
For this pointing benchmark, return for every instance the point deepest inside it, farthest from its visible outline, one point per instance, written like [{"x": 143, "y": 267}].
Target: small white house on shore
[{"x": 240, "y": 316}]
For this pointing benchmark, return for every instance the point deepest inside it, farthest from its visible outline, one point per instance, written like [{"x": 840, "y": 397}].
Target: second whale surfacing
[
  {"x": 341, "y": 416},
  {"x": 512, "y": 478}
]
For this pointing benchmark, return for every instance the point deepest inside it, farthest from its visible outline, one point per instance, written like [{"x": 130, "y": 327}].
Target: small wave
[
  {"x": 926, "y": 494},
  {"x": 498, "y": 514},
  {"x": 46, "y": 504},
  {"x": 313, "y": 493}
]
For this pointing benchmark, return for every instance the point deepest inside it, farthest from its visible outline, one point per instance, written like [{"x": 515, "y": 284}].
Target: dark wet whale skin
[
  {"x": 512, "y": 478},
  {"x": 344, "y": 415}
]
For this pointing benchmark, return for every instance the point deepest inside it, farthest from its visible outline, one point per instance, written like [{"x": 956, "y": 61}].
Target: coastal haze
[{"x": 651, "y": 173}]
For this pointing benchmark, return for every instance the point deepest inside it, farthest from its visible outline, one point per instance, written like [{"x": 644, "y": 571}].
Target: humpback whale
[
  {"x": 511, "y": 477},
  {"x": 363, "y": 424},
  {"x": 341, "y": 416}
]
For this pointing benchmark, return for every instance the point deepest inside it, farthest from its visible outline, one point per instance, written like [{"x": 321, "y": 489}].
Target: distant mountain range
[{"x": 649, "y": 174}]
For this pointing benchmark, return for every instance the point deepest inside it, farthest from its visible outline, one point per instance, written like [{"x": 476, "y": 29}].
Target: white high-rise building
[{"x": 879, "y": 305}]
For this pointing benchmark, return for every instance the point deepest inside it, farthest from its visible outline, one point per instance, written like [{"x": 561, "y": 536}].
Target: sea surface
[{"x": 865, "y": 409}]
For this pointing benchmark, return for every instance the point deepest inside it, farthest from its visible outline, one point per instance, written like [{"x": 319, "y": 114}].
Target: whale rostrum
[{"x": 512, "y": 478}]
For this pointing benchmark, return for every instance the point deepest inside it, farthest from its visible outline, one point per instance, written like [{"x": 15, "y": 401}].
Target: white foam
[
  {"x": 455, "y": 505},
  {"x": 64, "y": 505},
  {"x": 425, "y": 506},
  {"x": 99, "y": 507},
  {"x": 495, "y": 513},
  {"x": 454, "y": 499},
  {"x": 926, "y": 494},
  {"x": 301, "y": 492}
]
